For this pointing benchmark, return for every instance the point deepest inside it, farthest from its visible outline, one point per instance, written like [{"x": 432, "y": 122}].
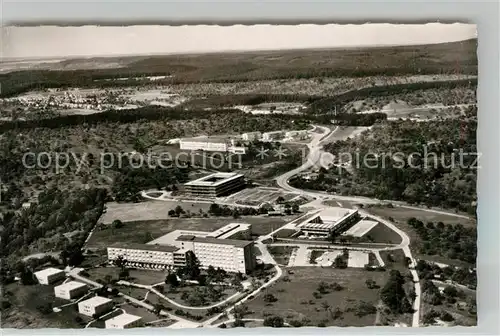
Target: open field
[
  {"x": 256, "y": 196},
  {"x": 143, "y": 277},
  {"x": 394, "y": 259},
  {"x": 382, "y": 234},
  {"x": 144, "y": 211},
  {"x": 295, "y": 300},
  {"x": 144, "y": 231}
]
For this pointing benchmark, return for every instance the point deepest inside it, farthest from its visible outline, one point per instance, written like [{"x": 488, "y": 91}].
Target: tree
[
  {"x": 172, "y": 280},
  {"x": 178, "y": 210},
  {"x": 223, "y": 326},
  {"x": 215, "y": 209},
  {"x": 273, "y": 321},
  {"x": 27, "y": 277},
  {"x": 124, "y": 273},
  {"x": 280, "y": 200},
  {"x": 371, "y": 284},
  {"x": 393, "y": 294},
  {"x": 192, "y": 268},
  {"x": 238, "y": 323},
  {"x": 108, "y": 279},
  {"x": 120, "y": 262},
  {"x": 340, "y": 262},
  {"x": 157, "y": 308},
  {"x": 270, "y": 298},
  {"x": 117, "y": 224},
  {"x": 172, "y": 213},
  {"x": 450, "y": 291}
]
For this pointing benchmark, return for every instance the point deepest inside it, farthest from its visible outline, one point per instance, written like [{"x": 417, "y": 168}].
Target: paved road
[
  {"x": 315, "y": 150},
  {"x": 180, "y": 305}
]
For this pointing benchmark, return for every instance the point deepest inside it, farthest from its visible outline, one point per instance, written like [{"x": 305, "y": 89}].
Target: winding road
[{"x": 313, "y": 159}]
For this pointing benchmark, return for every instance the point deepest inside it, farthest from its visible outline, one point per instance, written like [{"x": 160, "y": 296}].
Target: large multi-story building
[
  {"x": 49, "y": 275},
  {"x": 144, "y": 255},
  {"x": 211, "y": 249},
  {"x": 215, "y": 185},
  {"x": 231, "y": 255},
  {"x": 329, "y": 220},
  {"x": 273, "y": 136},
  {"x": 123, "y": 321},
  {"x": 251, "y": 136},
  {"x": 70, "y": 290},
  {"x": 211, "y": 145},
  {"x": 97, "y": 305}
]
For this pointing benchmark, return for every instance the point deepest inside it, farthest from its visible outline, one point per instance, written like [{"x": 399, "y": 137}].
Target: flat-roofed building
[
  {"x": 123, "y": 321},
  {"x": 215, "y": 185},
  {"x": 144, "y": 255},
  {"x": 293, "y": 134},
  {"x": 231, "y": 255},
  {"x": 273, "y": 136},
  {"x": 332, "y": 219},
  {"x": 49, "y": 275},
  {"x": 226, "y": 232},
  {"x": 205, "y": 144},
  {"x": 361, "y": 228},
  {"x": 97, "y": 305},
  {"x": 251, "y": 136},
  {"x": 70, "y": 290}
]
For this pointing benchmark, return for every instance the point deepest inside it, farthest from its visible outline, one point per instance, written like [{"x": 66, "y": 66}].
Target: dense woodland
[
  {"x": 59, "y": 220},
  {"x": 450, "y": 241}
]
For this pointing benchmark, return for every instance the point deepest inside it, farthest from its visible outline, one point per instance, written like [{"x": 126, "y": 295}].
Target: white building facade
[
  {"x": 251, "y": 136},
  {"x": 97, "y": 305},
  {"x": 144, "y": 256},
  {"x": 272, "y": 136},
  {"x": 124, "y": 321},
  {"x": 70, "y": 290},
  {"x": 49, "y": 275},
  {"x": 228, "y": 254}
]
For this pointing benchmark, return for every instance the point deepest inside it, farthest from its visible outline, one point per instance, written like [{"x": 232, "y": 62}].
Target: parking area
[{"x": 357, "y": 259}]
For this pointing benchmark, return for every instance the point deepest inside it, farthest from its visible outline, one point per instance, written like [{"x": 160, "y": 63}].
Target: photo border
[{"x": 485, "y": 14}]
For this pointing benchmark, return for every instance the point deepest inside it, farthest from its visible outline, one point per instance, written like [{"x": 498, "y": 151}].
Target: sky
[{"x": 53, "y": 41}]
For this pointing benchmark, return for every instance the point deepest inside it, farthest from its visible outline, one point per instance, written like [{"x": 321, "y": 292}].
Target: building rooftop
[
  {"x": 214, "y": 180},
  {"x": 96, "y": 301},
  {"x": 71, "y": 285},
  {"x": 206, "y": 139},
  {"x": 327, "y": 218},
  {"x": 229, "y": 229},
  {"x": 211, "y": 240},
  {"x": 148, "y": 247},
  {"x": 48, "y": 272},
  {"x": 124, "y": 319},
  {"x": 274, "y": 132}
]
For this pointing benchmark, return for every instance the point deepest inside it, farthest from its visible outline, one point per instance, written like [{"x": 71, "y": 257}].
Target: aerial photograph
[{"x": 238, "y": 176}]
